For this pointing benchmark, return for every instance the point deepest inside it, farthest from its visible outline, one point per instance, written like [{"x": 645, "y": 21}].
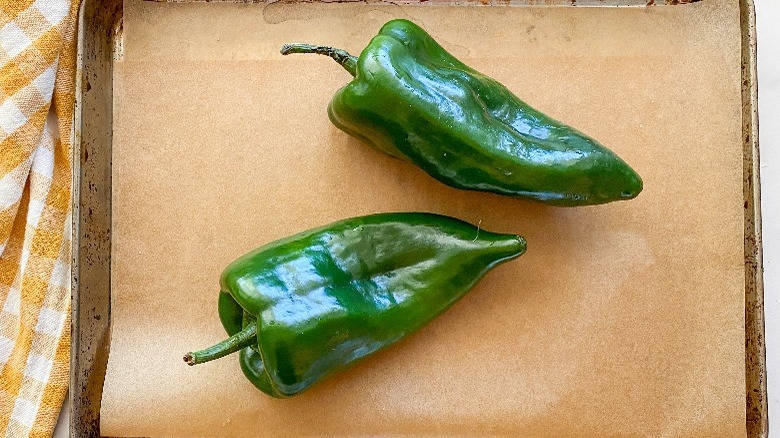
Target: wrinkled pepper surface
[
  {"x": 413, "y": 100},
  {"x": 305, "y": 307}
]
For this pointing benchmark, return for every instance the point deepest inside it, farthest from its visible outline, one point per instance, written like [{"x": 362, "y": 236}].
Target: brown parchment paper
[{"x": 622, "y": 320}]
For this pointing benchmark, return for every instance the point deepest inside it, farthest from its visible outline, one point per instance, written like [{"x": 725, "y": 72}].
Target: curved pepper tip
[
  {"x": 508, "y": 247},
  {"x": 634, "y": 186},
  {"x": 521, "y": 245}
]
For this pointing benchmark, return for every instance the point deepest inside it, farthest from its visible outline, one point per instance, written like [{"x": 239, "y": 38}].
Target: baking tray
[{"x": 100, "y": 29}]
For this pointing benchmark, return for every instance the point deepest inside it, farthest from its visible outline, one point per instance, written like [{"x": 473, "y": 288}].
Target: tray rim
[{"x": 99, "y": 42}]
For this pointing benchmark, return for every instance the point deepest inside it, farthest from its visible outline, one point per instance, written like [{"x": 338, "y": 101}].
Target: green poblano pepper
[
  {"x": 413, "y": 100},
  {"x": 302, "y": 308}
]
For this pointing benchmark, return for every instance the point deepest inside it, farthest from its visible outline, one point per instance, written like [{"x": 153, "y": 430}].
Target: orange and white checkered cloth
[{"x": 37, "y": 82}]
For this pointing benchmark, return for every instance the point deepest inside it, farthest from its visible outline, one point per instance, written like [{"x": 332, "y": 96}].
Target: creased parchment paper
[{"x": 622, "y": 320}]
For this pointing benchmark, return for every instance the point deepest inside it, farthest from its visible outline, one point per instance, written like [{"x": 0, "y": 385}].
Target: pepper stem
[
  {"x": 242, "y": 339},
  {"x": 346, "y": 60}
]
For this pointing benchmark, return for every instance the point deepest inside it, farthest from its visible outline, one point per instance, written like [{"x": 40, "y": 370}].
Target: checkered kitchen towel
[{"x": 37, "y": 72}]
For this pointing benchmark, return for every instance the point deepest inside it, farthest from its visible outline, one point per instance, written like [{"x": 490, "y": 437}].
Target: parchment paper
[{"x": 622, "y": 320}]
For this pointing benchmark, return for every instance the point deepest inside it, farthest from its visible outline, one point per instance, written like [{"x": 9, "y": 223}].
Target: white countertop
[{"x": 767, "y": 16}]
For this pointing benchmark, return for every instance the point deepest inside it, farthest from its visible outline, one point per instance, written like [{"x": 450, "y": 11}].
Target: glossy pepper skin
[
  {"x": 305, "y": 307},
  {"x": 413, "y": 100}
]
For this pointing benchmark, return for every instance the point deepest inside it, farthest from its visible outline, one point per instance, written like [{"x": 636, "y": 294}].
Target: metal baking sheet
[{"x": 100, "y": 44}]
